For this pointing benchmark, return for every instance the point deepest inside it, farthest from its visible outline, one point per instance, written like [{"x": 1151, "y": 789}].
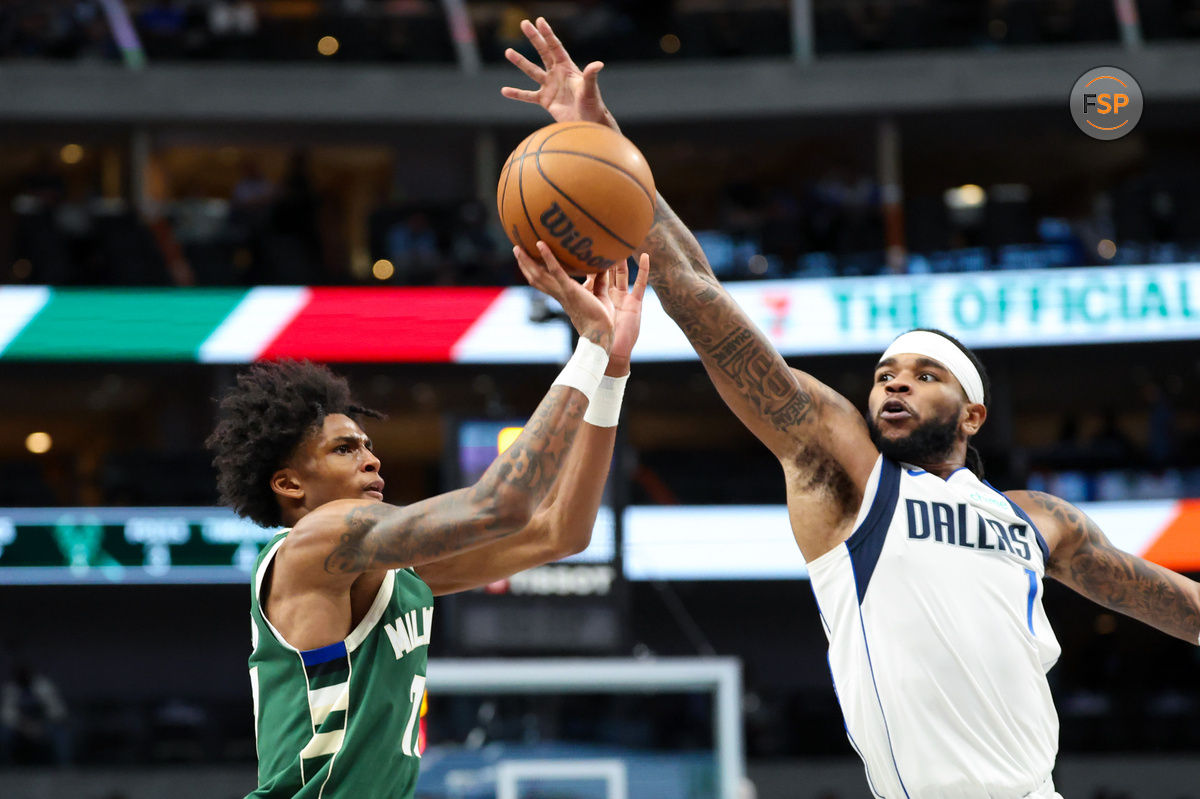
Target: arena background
[{"x": 186, "y": 185}]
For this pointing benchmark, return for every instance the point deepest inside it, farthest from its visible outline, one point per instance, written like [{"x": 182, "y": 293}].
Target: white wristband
[
  {"x": 605, "y": 408},
  {"x": 585, "y": 369}
]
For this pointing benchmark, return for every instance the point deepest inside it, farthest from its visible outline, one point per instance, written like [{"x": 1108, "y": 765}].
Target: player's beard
[{"x": 931, "y": 442}]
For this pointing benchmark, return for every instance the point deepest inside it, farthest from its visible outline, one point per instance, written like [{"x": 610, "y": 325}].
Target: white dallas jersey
[{"x": 938, "y": 643}]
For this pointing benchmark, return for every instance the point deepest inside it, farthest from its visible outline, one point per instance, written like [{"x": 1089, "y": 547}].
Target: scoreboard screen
[{"x": 69, "y": 546}]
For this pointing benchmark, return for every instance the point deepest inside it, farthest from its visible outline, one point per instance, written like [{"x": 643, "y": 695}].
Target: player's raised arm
[
  {"x": 787, "y": 410},
  {"x": 342, "y": 539},
  {"x": 1082, "y": 557},
  {"x": 563, "y": 524}
]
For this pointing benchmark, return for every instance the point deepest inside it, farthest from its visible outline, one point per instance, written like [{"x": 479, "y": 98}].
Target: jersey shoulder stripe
[{"x": 866, "y": 543}]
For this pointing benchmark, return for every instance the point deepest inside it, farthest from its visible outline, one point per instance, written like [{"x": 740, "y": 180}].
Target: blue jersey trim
[
  {"x": 314, "y": 657},
  {"x": 1033, "y": 591},
  {"x": 866, "y": 543},
  {"x": 871, "y": 667},
  {"x": 849, "y": 737},
  {"x": 837, "y": 695}
]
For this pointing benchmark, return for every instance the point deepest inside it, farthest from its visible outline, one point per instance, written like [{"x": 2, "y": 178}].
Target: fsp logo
[{"x": 1106, "y": 103}]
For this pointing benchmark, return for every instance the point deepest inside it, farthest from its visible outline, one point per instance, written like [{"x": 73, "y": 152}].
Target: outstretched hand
[
  {"x": 566, "y": 91},
  {"x": 627, "y": 306},
  {"x": 588, "y": 305}
]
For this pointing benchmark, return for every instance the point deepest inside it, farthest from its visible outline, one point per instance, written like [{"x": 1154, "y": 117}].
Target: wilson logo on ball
[
  {"x": 559, "y": 225},
  {"x": 582, "y": 188}
]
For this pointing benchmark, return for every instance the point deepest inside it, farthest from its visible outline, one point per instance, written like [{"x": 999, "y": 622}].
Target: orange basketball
[{"x": 582, "y": 188}]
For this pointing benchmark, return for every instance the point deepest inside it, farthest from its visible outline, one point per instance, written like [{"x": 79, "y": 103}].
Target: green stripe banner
[{"x": 150, "y": 324}]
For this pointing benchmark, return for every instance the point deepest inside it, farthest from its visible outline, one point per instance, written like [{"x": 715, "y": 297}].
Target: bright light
[
  {"x": 383, "y": 269},
  {"x": 506, "y": 437},
  {"x": 669, "y": 44},
  {"x": 966, "y": 197},
  {"x": 327, "y": 45},
  {"x": 38, "y": 443},
  {"x": 1106, "y": 249},
  {"x": 71, "y": 154}
]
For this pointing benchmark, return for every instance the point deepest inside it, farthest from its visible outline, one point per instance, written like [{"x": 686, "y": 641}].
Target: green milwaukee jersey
[{"x": 342, "y": 721}]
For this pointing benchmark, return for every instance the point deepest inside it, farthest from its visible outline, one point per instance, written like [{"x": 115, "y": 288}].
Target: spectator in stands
[
  {"x": 232, "y": 24},
  {"x": 412, "y": 246},
  {"x": 1160, "y": 433},
  {"x": 33, "y": 720},
  {"x": 293, "y": 230},
  {"x": 474, "y": 250},
  {"x": 161, "y": 25},
  {"x": 1109, "y": 445}
]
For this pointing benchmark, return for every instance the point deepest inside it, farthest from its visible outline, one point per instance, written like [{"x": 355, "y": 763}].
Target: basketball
[{"x": 582, "y": 188}]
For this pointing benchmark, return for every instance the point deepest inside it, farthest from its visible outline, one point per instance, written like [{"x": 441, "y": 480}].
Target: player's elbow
[
  {"x": 568, "y": 543},
  {"x": 510, "y": 508},
  {"x": 558, "y": 535}
]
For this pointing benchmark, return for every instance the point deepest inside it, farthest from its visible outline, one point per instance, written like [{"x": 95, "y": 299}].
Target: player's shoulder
[
  {"x": 1046, "y": 510},
  {"x": 840, "y": 433},
  {"x": 828, "y": 401},
  {"x": 337, "y": 518},
  {"x": 305, "y": 554}
]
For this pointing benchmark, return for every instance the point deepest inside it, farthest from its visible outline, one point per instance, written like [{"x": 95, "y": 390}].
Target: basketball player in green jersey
[{"x": 342, "y": 602}]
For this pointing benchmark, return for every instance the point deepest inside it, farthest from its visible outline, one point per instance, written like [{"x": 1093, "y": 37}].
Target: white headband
[{"x": 942, "y": 350}]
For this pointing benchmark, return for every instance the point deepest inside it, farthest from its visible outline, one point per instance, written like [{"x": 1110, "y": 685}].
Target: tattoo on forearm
[
  {"x": 722, "y": 334},
  {"x": 380, "y": 536},
  {"x": 1118, "y": 580}
]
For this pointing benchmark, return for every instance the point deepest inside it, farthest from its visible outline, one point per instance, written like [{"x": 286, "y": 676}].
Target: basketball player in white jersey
[{"x": 928, "y": 580}]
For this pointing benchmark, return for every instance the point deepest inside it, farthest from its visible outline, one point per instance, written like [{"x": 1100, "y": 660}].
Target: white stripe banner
[
  {"x": 253, "y": 324},
  {"x": 18, "y": 305}
]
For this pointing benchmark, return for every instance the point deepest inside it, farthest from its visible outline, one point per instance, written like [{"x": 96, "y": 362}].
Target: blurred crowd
[
  {"x": 263, "y": 232},
  {"x": 285, "y": 230},
  {"x": 417, "y": 30}
]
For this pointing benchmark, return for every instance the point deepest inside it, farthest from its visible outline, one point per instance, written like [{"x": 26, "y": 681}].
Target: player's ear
[
  {"x": 286, "y": 483},
  {"x": 974, "y": 415}
]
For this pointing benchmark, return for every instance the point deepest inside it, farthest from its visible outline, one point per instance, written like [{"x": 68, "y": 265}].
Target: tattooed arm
[
  {"x": 1082, "y": 557},
  {"x": 357, "y": 536},
  {"x": 791, "y": 412},
  {"x": 333, "y": 560},
  {"x": 563, "y": 523},
  {"x": 372, "y": 537},
  {"x": 803, "y": 422},
  {"x": 330, "y": 565}
]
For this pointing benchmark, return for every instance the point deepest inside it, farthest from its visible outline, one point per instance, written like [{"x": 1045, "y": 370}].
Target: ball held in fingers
[{"x": 584, "y": 189}]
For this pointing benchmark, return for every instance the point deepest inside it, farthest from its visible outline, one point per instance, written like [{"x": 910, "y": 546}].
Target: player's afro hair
[{"x": 262, "y": 420}]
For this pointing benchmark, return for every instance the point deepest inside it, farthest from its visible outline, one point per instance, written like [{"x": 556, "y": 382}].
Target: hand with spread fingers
[
  {"x": 627, "y": 306},
  {"x": 587, "y": 304},
  {"x": 566, "y": 91}
]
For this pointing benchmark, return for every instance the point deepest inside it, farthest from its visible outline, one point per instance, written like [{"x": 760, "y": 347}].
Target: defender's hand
[
  {"x": 592, "y": 317},
  {"x": 566, "y": 91}
]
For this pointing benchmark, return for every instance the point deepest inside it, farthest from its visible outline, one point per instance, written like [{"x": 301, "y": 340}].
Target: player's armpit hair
[{"x": 262, "y": 420}]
